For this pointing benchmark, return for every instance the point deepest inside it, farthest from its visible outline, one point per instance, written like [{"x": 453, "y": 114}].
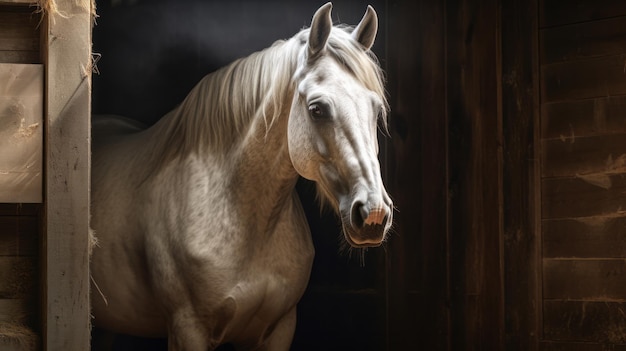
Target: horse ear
[
  {"x": 320, "y": 29},
  {"x": 365, "y": 31}
]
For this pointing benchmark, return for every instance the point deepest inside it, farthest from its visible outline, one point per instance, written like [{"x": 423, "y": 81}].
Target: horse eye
[{"x": 317, "y": 111}]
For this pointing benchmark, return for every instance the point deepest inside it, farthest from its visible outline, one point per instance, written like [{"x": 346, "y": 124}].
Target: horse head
[{"x": 332, "y": 130}]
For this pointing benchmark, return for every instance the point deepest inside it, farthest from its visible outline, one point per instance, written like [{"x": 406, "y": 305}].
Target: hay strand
[{"x": 18, "y": 335}]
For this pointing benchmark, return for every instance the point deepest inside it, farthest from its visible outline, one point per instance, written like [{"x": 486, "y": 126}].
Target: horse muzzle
[{"x": 366, "y": 223}]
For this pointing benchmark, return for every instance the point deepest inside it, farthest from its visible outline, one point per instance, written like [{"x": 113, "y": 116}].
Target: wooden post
[
  {"x": 475, "y": 175},
  {"x": 67, "y": 55},
  {"x": 521, "y": 178}
]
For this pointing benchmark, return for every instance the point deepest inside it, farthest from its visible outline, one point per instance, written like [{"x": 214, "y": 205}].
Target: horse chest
[
  {"x": 244, "y": 280},
  {"x": 260, "y": 303},
  {"x": 272, "y": 284}
]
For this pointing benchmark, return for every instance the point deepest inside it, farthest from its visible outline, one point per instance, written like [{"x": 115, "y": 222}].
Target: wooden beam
[
  {"x": 585, "y": 321},
  {"x": 475, "y": 227},
  {"x": 417, "y": 265},
  {"x": 66, "y": 324},
  {"x": 521, "y": 174},
  {"x": 593, "y": 78},
  {"x": 559, "y": 12}
]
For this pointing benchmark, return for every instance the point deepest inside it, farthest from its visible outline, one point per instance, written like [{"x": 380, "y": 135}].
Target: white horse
[{"x": 202, "y": 237}]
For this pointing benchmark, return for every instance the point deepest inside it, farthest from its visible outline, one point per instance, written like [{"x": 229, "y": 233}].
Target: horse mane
[{"x": 219, "y": 109}]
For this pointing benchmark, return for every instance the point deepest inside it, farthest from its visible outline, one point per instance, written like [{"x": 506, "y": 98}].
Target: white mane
[{"x": 219, "y": 109}]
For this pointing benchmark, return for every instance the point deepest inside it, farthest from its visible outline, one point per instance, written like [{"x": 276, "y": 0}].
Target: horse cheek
[{"x": 301, "y": 151}]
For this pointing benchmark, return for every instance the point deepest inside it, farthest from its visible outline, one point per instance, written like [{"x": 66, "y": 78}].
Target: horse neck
[
  {"x": 262, "y": 177},
  {"x": 264, "y": 174},
  {"x": 219, "y": 110}
]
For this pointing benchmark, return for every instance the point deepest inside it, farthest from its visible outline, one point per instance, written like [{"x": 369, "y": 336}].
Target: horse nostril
[{"x": 359, "y": 214}]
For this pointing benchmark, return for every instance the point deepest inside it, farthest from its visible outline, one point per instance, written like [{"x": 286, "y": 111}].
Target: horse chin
[{"x": 372, "y": 235}]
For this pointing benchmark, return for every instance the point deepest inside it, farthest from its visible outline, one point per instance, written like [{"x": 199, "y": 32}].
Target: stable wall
[
  {"x": 583, "y": 173},
  {"x": 44, "y": 231}
]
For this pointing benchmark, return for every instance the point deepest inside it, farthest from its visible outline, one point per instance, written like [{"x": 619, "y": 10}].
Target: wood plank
[
  {"x": 559, "y": 12},
  {"x": 598, "y": 77},
  {"x": 601, "y": 116},
  {"x": 417, "y": 302},
  {"x": 473, "y": 78},
  {"x": 586, "y": 279},
  {"x": 583, "y": 196},
  {"x": 19, "y": 311},
  {"x": 579, "y": 346},
  {"x": 18, "y": 277},
  {"x": 20, "y": 57},
  {"x": 574, "y": 155},
  {"x": 583, "y": 321},
  {"x": 66, "y": 313},
  {"x": 18, "y": 236},
  {"x": 18, "y": 29},
  {"x": 587, "y": 237},
  {"x": 521, "y": 178},
  {"x": 19, "y": 32},
  {"x": 583, "y": 40},
  {"x": 21, "y": 132},
  {"x": 20, "y": 209}
]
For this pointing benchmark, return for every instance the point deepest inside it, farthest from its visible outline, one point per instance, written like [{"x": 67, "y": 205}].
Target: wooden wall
[
  {"x": 20, "y": 224},
  {"x": 44, "y": 265},
  {"x": 583, "y": 173},
  {"x": 464, "y": 174},
  {"x": 509, "y": 170}
]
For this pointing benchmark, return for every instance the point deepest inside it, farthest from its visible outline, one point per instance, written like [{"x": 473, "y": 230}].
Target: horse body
[
  {"x": 227, "y": 263},
  {"x": 202, "y": 236}
]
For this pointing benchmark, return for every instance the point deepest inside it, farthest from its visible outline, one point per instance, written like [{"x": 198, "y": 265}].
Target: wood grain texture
[
  {"x": 583, "y": 165},
  {"x": 66, "y": 261},
  {"x": 419, "y": 317},
  {"x": 583, "y": 196},
  {"x": 560, "y": 12},
  {"x": 589, "y": 237},
  {"x": 583, "y": 40},
  {"x": 579, "y": 346},
  {"x": 521, "y": 177},
  {"x": 584, "y": 279},
  {"x": 21, "y": 132},
  {"x": 583, "y": 321},
  {"x": 19, "y": 236},
  {"x": 598, "y": 77},
  {"x": 19, "y": 34},
  {"x": 475, "y": 176},
  {"x": 591, "y": 117},
  {"x": 601, "y": 155}
]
